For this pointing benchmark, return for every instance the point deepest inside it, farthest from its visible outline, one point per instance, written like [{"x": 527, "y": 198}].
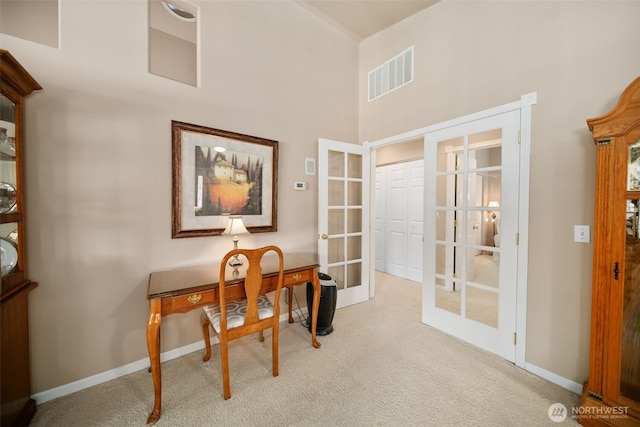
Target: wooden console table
[{"x": 181, "y": 290}]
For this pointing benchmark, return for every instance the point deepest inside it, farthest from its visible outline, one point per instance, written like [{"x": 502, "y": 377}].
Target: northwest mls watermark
[{"x": 557, "y": 412}]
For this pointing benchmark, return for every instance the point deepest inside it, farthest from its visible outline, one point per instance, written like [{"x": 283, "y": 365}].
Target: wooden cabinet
[
  {"x": 17, "y": 407},
  {"x": 611, "y": 396}
]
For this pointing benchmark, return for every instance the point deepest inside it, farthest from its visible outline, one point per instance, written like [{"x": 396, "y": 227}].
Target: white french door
[
  {"x": 471, "y": 229},
  {"x": 343, "y": 218}
]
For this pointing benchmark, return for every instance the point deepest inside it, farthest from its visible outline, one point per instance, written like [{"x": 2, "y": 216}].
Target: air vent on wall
[{"x": 391, "y": 75}]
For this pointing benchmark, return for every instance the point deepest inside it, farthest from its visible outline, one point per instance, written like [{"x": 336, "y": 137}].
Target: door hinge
[
  {"x": 519, "y": 137},
  {"x": 517, "y": 239},
  {"x": 515, "y": 335}
]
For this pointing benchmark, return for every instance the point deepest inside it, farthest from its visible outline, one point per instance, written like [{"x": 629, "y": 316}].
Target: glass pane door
[
  {"x": 345, "y": 213},
  {"x": 343, "y": 218},
  {"x": 468, "y": 226},
  {"x": 470, "y": 229}
]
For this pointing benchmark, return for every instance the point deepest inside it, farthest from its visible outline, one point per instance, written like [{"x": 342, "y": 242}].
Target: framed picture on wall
[{"x": 217, "y": 173}]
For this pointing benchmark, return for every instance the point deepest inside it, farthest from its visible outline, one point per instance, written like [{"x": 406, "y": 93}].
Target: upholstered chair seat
[{"x": 236, "y": 312}]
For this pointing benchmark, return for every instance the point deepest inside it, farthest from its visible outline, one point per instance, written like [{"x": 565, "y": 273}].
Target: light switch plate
[{"x": 581, "y": 233}]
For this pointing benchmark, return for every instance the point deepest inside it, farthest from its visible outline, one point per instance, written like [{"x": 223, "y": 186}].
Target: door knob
[{"x": 325, "y": 237}]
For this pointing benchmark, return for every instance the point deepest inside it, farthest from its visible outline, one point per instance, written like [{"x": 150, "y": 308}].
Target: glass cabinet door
[
  {"x": 9, "y": 187},
  {"x": 630, "y": 350},
  {"x": 630, "y": 337},
  {"x": 633, "y": 167}
]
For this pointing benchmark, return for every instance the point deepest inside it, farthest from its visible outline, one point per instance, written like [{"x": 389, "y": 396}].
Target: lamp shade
[
  {"x": 235, "y": 226},
  {"x": 494, "y": 204}
]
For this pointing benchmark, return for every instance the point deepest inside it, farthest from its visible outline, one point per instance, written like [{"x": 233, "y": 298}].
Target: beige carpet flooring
[{"x": 380, "y": 367}]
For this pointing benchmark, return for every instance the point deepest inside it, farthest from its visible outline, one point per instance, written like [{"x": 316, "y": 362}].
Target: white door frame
[{"x": 524, "y": 106}]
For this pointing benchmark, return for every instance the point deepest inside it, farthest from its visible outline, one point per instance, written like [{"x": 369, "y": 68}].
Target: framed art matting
[{"x": 216, "y": 173}]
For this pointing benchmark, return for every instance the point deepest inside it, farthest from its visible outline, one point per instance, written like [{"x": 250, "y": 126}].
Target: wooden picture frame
[{"x": 216, "y": 173}]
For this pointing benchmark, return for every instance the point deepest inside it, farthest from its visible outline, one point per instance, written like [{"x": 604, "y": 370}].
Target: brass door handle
[{"x": 325, "y": 237}]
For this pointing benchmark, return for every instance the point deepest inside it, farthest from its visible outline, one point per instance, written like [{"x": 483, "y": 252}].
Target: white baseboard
[
  {"x": 112, "y": 374},
  {"x": 129, "y": 368},
  {"x": 554, "y": 378},
  {"x": 63, "y": 390}
]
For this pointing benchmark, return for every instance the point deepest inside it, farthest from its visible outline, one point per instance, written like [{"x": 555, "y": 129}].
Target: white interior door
[
  {"x": 397, "y": 230},
  {"x": 416, "y": 221},
  {"x": 399, "y": 217},
  {"x": 469, "y": 292},
  {"x": 380, "y": 218},
  {"x": 343, "y": 218}
]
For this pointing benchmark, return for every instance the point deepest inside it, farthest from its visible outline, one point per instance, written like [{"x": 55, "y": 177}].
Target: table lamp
[
  {"x": 494, "y": 204},
  {"x": 235, "y": 227}
]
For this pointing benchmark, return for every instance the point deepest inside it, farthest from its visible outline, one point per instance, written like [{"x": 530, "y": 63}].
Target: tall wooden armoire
[
  {"x": 17, "y": 406},
  {"x": 611, "y": 396}
]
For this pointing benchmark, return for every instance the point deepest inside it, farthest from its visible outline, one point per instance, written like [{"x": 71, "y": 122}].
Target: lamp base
[{"x": 235, "y": 262}]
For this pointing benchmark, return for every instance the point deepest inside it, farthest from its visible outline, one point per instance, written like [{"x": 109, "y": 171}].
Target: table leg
[
  {"x": 153, "y": 345},
  {"x": 316, "y": 306},
  {"x": 290, "y": 303}
]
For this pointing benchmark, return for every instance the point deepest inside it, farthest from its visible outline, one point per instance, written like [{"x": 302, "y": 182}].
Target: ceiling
[{"x": 362, "y": 18}]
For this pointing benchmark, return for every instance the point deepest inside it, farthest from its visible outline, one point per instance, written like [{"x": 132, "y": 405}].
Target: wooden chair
[{"x": 238, "y": 318}]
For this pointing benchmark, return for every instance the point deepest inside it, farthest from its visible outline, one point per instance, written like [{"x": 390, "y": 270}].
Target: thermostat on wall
[{"x": 299, "y": 185}]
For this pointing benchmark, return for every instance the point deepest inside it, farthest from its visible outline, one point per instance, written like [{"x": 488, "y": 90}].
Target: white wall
[
  {"x": 473, "y": 55},
  {"x": 98, "y": 161}
]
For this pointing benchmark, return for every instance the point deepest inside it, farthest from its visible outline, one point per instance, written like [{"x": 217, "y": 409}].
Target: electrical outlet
[{"x": 581, "y": 233}]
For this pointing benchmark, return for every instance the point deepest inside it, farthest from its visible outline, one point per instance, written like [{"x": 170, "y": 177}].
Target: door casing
[{"x": 524, "y": 105}]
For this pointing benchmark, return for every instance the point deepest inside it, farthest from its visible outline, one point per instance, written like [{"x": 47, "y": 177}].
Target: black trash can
[{"x": 327, "y": 308}]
